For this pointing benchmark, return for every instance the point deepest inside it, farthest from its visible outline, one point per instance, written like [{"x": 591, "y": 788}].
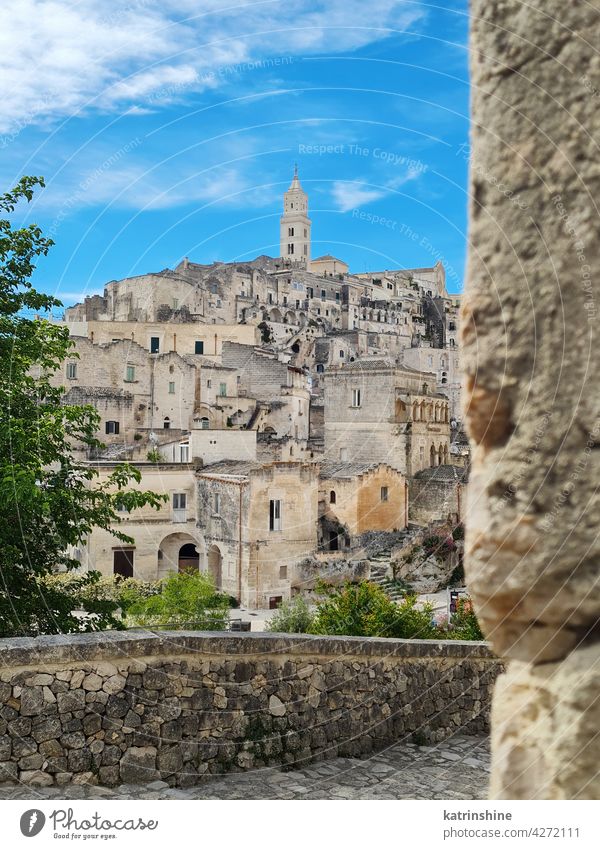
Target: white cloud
[
  {"x": 347, "y": 196},
  {"x": 59, "y": 58}
]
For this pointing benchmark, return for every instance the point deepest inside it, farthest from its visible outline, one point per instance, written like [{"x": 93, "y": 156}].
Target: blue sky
[{"x": 170, "y": 129}]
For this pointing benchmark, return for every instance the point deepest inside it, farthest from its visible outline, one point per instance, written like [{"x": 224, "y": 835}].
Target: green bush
[
  {"x": 293, "y": 617},
  {"x": 186, "y": 600},
  {"x": 365, "y": 610},
  {"x": 464, "y": 624}
]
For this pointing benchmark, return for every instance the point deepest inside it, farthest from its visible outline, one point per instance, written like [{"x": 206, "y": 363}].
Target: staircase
[{"x": 381, "y": 574}]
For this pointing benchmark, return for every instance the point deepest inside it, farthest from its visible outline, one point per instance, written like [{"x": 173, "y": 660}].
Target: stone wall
[
  {"x": 132, "y": 707},
  {"x": 531, "y": 363}
]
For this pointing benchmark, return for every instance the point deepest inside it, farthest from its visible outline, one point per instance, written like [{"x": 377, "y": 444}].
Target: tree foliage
[
  {"x": 187, "y": 600},
  {"x": 49, "y": 501},
  {"x": 292, "y": 617},
  {"x": 365, "y": 610}
]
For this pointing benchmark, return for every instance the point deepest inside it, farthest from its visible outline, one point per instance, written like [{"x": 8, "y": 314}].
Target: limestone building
[{"x": 379, "y": 412}]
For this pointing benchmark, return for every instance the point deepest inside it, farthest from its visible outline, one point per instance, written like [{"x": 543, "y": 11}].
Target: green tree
[
  {"x": 292, "y": 617},
  {"x": 186, "y": 600},
  {"x": 365, "y": 610},
  {"x": 49, "y": 502}
]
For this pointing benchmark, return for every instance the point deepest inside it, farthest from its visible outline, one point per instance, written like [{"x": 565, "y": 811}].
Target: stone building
[
  {"x": 355, "y": 498},
  {"x": 438, "y": 493},
  {"x": 379, "y": 412},
  {"x": 164, "y": 540},
  {"x": 257, "y": 521}
]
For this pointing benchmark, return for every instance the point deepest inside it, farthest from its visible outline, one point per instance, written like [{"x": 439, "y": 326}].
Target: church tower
[{"x": 294, "y": 230}]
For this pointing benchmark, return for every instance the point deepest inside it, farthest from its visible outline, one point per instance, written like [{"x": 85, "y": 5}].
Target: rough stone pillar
[{"x": 532, "y": 380}]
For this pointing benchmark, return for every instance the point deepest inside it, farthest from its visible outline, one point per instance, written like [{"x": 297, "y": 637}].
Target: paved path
[{"x": 455, "y": 769}]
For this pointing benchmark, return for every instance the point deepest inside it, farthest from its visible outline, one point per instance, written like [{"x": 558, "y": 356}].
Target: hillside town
[{"x": 303, "y": 420}]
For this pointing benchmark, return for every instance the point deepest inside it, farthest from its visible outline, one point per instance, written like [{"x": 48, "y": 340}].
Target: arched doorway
[
  {"x": 178, "y": 552},
  {"x": 189, "y": 559},
  {"x": 215, "y": 565}
]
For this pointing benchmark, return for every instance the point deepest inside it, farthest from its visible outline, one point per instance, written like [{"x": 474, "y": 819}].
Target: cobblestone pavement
[{"x": 455, "y": 769}]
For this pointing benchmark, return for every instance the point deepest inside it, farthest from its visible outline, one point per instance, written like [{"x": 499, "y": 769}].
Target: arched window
[
  {"x": 167, "y": 423},
  {"x": 332, "y": 497},
  {"x": 204, "y": 423}
]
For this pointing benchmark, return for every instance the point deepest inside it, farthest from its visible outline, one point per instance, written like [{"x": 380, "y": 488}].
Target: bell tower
[{"x": 294, "y": 228}]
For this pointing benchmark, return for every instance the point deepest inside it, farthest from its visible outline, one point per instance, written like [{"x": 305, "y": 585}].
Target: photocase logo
[{"x": 32, "y": 822}]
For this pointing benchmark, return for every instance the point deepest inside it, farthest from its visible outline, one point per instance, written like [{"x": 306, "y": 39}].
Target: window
[
  {"x": 175, "y": 304},
  {"x": 310, "y": 292},
  {"x": 167, "y": 423},
  {"x": 323, "y": 294},
  {"x": 290, "y": 231},
  {"x": 171, "y": 387},
  {"x": 204, "y": 423},
  {"x": 123, "y": 562},
  {"x": 305, "y": 232},
  {"x": 222, "y": 389},
  {"x": 356, "y": 399},
  {"x": 179, "y": 501},
  {"x": 111, "y": 427},
  {"x": 341, "y": 355},
  {"x": 384, "y": 493},
  {"x": 184, "y": 453},
  {"x": 217, "y": 504},
  {"x": 72, "y": 371},
  {"x": 198, "y": 347},
  {"x": 332, "y": 497},
  {"x": 343, "y": 454},
  {"x": 291, "y": 248},
  {"x": 209, "y": 383},
  {"x": 283, "y": 573},
  {"x": 154, "y": 344},
  {"x": 337, "y": 296},
  {"x": 129, "y": 374},
  {"x": 275, "y": 514},
  {"x": 306, "y": 250}
]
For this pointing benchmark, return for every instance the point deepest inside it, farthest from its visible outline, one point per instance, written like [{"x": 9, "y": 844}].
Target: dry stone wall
[{"x": 117, "y": 708}]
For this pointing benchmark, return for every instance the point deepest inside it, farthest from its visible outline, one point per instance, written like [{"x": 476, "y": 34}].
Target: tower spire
[{"x": 295, "y": 224}]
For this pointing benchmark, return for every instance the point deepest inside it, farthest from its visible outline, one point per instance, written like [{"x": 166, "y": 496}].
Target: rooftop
[{"x": 443, "y": 473}]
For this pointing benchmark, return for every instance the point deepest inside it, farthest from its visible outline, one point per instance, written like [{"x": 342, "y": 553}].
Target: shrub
[
  {"x": 464, "y": 624},
  {"x": 365, "y": 610},
  {"x": 438, "y": 546},
  {"x": 458, "y": 532},
  {"x": 293, "y": 617},
  {"x": 186, "y": 600}
]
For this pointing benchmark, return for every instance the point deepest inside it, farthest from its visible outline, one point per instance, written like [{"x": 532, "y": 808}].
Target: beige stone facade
[
  {"x": 378, "y": 412},
  {"x": 362, "y": 498}
]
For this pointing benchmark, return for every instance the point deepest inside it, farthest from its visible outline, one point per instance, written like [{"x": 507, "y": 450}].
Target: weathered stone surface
[
  {"x": 138, "y": 764},
  {"x": 532, "y": 400},
  {"x": 71, "y": 701},
  {"x": 545, "y": 729},
  {"x": 32, "y": 701},
  {"x": 290, "y": 700},
  {"x": 276, "y": 706}
]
